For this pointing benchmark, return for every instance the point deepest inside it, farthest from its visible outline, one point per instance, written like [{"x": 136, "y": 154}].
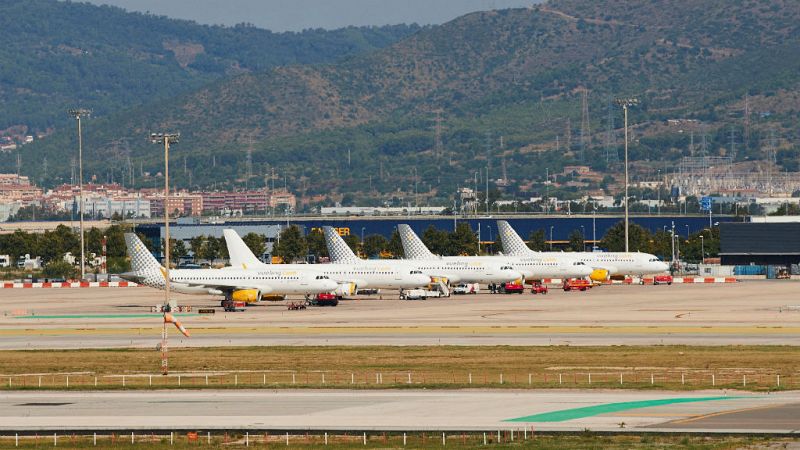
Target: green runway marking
[
  {"x": 589, "y": 411},
  {"x": 102, "y": 316}
]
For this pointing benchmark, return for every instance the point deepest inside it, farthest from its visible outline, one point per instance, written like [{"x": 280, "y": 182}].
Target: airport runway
[
  {"x": 406, "y": 410},
  {"x": 752, "y": 313}
]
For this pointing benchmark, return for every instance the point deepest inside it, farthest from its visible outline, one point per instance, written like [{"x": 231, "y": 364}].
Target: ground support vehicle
[
  {"x": 577, "y": 284},
  {"x": 413, "y": 294},
  {"x": 467, "y": 288},
  {"x": 323, "y": 299},
  {"x": 539, "y": 288},
  {"x": 511, "y": 288},
  {"x": 662, "y": 279},
  {"x": 233, "y": 306}
]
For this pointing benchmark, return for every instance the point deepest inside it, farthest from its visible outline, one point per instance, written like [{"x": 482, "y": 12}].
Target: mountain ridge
[{"x": 514, "y": 73}]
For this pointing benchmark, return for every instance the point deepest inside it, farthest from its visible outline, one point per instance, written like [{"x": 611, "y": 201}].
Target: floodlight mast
[
  {"x": 626, "y": 103},
  {"x": 166, "y": 139},
  {"x": 77, "y": 113}
]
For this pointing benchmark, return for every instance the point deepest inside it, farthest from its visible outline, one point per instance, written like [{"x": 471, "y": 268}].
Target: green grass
[{"x": 438, "y": 367}]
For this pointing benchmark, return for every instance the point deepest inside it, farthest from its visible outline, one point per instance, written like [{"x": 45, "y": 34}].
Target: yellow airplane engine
[
  {"x": 346, "y": 289},
  {"x": 246, "y": 295},
  {"x": 599, "y": 275}
]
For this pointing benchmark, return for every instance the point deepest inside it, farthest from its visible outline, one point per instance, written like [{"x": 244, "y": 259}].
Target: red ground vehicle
[
  {"x": 511, "y": 288},
  {"x": 539, "y": 288},
  {"x": 662, "y": 279},
  {"x": 324, "y": 299},
  {"x": 579, "y": 284}
]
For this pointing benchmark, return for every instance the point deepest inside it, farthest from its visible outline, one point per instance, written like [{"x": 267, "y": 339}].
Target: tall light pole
[
  {"x": 702, "y": 251},
  {"x": 551, "y": 238},
  {"x": 166, "y": 139},
  {"x": 583, "y": 236},
  {"x": 77, "y": 113},
  {"x": 658, "y": 186},
  {"x": 626, "y": 103}
]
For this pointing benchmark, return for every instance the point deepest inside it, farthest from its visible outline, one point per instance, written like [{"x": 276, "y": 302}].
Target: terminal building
[{"x": 770, "y": 241}]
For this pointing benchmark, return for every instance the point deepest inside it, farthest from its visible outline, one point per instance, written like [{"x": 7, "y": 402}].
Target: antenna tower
[
  {"x": 585, "y": 132},
  {"x": 746, "y": 138},
  {"x": 612, "y": 155},
  {"x": 569, "y": 134},
  {"x": 438, "y": 147}
]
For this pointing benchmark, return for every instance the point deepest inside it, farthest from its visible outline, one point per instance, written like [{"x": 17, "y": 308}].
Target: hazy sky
[{"x": 293, "y": 15}]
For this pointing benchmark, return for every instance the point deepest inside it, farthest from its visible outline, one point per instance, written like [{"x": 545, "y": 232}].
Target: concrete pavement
[{"x": 402, "y": 410}]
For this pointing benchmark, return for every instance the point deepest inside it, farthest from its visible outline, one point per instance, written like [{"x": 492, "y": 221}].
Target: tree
[
  {"x": 178, "y": 250},
  {"x": 374, "y": 244},
  {"x": 639, "y": 239},
  {"x": 537, "y": 240},
  {"x": 787, "y": 209},
  {"x": 437, "y": 241},
  {"x": 94, "y": 241},
  {"x": 291, "y": 244},
  {"x": 58, "y": 268},
  {"x": 316, "y": 243},
  {"x": 576, "y": 241},
  {"x": 196, "y": 245},
  {"x": 256, "y": 243},
  {"x": 463, "y": 240},
  {"x": 115, "y": 240},
  {"x": 395, "y": 246}
]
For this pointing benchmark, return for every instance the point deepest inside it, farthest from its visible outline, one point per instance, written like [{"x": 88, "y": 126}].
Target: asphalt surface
[
  {"x": 749, "y": 313},
  {"x": 407, "y": 410}
]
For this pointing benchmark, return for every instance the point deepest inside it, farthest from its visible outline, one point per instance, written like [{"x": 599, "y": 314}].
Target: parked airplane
[
  {"x": 348, "y": 276},
  {"x": 246, "y": 285},
  {"x": 453, "y": 271},
  {"x": 533, "y": 267},
  {"x": 605, "y": 264}
]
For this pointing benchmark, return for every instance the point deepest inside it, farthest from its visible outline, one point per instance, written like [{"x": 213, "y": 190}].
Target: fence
[
  {"x": 753, "y": 379},
  {"x": 254, "y": 438}
]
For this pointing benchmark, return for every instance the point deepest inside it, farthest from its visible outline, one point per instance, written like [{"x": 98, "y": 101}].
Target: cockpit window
[
  {"x": 578, "y": 263},
  {"x": 416, "y": 272},
  {"x": 506, "y": 268}
]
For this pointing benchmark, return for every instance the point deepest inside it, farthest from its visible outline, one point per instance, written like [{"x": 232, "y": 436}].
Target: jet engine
[
  {"x": 599, "y": 275},
  {"x": 246, "y": 295},
  {"x": 345, "y": 289}
]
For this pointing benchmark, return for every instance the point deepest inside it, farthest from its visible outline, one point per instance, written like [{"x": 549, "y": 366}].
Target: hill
[
  {"x": 365, "y": 126},
  {"x": 56, "y": 55}
]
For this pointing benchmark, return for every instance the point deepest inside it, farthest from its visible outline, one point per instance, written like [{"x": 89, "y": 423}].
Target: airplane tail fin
[
  {"x": 413, "y": 247},
  {"x": 142, "y": 261},
  {"x": 240, "y": 254},
  {"x": 338, "y": 249},
  {"x": 145, "y": 267},
  {"x": 513, "y": 245}
]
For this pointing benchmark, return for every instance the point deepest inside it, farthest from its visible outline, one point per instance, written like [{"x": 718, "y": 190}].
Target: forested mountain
[
  {"x": 56, "y": 55},
  {"x": 365, "y": 125}
]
